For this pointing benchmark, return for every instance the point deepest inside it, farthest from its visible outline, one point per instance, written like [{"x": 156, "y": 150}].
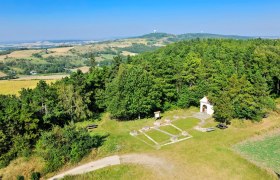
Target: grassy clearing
[
  {"x": 124, "y": 172},
  {"x": 206, "y": 155},
  {"x": 265, "y": 152},
  {"x": 13, "y": 87}
]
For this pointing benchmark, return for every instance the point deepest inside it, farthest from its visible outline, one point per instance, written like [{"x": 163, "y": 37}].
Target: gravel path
[
  {"x": 94, "y": 165},
  {"x": 160, "y": 166}
]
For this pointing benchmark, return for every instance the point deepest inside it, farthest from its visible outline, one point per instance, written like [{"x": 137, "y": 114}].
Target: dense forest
[{"x": 240, "y": 77}]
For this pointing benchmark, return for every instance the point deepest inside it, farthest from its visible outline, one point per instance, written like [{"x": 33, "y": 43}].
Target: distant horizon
[
  {"x": 132, "y": 36},
  {"x": 31, "y": 20}
]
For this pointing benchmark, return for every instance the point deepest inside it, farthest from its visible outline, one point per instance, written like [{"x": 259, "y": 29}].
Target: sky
[{"x": 97, "y": 19}]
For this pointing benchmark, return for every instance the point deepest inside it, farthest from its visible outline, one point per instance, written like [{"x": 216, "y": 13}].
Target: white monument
[{"x": 206, "y": 106}]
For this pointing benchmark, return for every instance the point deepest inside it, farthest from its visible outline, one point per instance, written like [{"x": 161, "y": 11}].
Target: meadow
[{"x": 208, "y": 155}]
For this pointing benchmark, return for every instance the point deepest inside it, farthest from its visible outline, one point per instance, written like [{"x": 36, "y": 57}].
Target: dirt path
[{"x": 160, "y": 166}]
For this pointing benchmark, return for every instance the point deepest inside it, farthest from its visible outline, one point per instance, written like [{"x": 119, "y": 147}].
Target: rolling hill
[{"x": 52, "y": 58}]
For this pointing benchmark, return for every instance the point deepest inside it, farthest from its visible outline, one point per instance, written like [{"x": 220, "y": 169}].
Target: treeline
[{"x": 241, "y": 78}]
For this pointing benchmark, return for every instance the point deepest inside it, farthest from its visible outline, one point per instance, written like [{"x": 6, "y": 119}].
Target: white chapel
[{"x": 206, "y": 106}]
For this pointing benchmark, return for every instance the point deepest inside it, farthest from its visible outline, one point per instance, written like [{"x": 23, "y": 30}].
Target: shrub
[
  {"x": 20, "y": 177},
  {"x": 35, "y": 176},
  {"x": 68, "y": 144}
]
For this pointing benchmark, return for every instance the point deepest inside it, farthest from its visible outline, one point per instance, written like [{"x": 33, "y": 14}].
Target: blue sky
[{"x": 95, "y": 19}]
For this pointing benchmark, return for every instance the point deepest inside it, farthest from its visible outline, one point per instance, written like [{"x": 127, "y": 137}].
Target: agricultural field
[
  {"x": 29, "y": 53},
  {"x": 19, "y": 54},
  {"x": 45, "y": 77},
  {"x": 12, "y": 87}
]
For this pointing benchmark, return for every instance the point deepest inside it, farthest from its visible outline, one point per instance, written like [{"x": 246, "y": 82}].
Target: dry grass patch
[
  {"x": 126, "y": 53},
  {"x": 22, "y": 166},
  {"x": 84, "y": 69},
  {"x": 61, "y": 51}
]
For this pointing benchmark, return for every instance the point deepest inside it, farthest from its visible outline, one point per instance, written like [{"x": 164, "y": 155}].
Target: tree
[
  {"x": 131, "y": 94},
  {"x": 72, "y": 103},
  {"x": 191, "y": 69},
  {"x": 92, "y": 61}
]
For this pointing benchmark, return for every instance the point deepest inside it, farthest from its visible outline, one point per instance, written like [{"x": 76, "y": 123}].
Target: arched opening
[{"x": 204, "y": 108}]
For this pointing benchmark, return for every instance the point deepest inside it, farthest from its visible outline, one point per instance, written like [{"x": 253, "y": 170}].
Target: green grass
[
  {"x": 158, "y": 136},
  {"x": 171, "y": 129},
  {"x": 265, "y": 152},
  {"x": 124, "y": 172},
  {"x": 186, "y": 124},
  {"x": 142, "y": 137}
]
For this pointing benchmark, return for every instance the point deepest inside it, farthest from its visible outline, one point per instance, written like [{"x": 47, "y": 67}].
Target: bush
[
  {"x": 68, "y": 144},
  {"x": 20, "y": 177},
  {"x": 35, "y": 176}
]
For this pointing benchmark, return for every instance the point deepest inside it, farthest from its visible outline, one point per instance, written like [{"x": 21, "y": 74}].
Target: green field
[{"x": 265, "y": 152}]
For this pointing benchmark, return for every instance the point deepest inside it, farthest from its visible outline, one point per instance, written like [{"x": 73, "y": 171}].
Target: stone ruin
[
  {"x": 174, "y": 139},
  {"x": 184, "y": 133},
  {"x": 157, "y": 123},
  {"x": 146, "y": 128},
  {"x": 134, "y": 133},
  {"x": 168, "y": 121}
]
